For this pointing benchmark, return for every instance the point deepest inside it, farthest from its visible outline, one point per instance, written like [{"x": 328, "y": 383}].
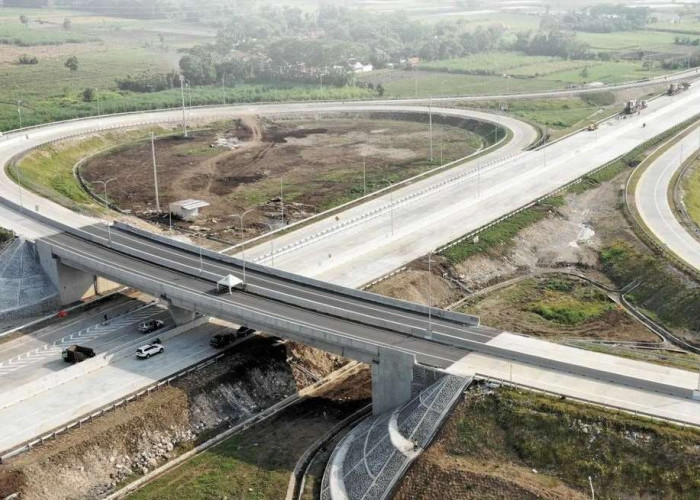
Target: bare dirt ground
[
  {"x": 250, "y": 163},
  {"x": 265, "y": 455},
  {"x": 94, "y": 459}
]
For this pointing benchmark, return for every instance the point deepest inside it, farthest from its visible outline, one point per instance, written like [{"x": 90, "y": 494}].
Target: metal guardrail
[{"x": 636, "y": 413}]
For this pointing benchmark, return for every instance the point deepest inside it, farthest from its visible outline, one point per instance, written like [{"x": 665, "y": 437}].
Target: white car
[{"x": 149, "y": 350}]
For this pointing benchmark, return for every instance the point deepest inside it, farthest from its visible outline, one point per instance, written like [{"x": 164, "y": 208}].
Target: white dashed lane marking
[{"x": 50, "y": 350}]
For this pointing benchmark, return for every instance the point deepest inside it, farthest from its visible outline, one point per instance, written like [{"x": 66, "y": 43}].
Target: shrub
[{"x": 27, "y": 59}]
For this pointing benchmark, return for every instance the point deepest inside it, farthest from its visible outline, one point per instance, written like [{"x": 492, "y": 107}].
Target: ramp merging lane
[{"x": 652, "y": 200}]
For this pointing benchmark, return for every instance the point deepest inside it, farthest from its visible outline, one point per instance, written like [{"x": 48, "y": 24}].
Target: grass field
[
  {"x": 691, "y": 192},
  {"x": 629, "y": 40},
  {"x": 18, "y": 34},
  {"x": 509, "y": 443},
  {"x": 49, "y": 170}
]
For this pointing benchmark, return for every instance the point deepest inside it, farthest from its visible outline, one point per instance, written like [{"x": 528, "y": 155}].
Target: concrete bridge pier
[
  {"x": 72, "y": 284},
  {"x": 392, "y": 376},
  {"x": 181, "y": 315}
]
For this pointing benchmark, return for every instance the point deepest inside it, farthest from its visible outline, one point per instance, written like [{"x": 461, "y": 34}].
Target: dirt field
[{"x": 317, "y": 164}]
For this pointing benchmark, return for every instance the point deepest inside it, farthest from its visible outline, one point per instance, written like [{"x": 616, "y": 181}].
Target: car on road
[
  {"x": 150, "y": 325},
  {"x": 148, "y": 350},
  {"x": 221, "y": 340},
  {"x": 77, "y": 353},
  {"x": 243, "y": 331}
]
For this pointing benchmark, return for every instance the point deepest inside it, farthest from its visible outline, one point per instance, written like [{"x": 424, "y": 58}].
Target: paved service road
[{"x": 652, "y": 200}]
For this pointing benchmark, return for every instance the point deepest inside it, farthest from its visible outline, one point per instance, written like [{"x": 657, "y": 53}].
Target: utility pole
[
  {"x": 184, "y": 118},
  {"x": 155, "y": 171},
  {"x": 97, "y": 91},
  {"x": 430, "y": 122},
  {"x": 223, "y": 90}
]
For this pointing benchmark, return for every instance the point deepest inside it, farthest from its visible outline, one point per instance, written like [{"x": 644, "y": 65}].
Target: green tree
[
  {"x": 67, "y": 23},
  {"x": 24, "y": 20},
  {"x": 89, "y": 94},
  {"x": 72, "y": 63},
  {"x": 584, "y": 73}
]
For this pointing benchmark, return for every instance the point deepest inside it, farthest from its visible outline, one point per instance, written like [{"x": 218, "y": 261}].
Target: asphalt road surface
[{"x": 652, "y": 200}]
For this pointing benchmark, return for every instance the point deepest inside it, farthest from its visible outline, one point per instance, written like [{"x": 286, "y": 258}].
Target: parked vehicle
[
  {"x": 149, "y": 350},
  {"x": 592, "y": 126},
  {"x": 243, "y": 331},
  {"x": 675, "y": 88},
  {"x": 150, "y": 325},
  {"x": 77, "y": 353},
  {"x": 221, "y": 340},
  {"x": 634, "y": 106}
]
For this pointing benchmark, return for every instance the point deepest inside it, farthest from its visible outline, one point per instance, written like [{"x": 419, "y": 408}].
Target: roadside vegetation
[
  {"x": 499, "y": 236},
  {"x": 556, "y": 307},
  {"x": 48, "y": 170},
  {"x": 304, "y": 52},
  {"x": 6, "y": 236},
  {"x": 516, "y": 444},
  {"x": 690, "y": 186}
]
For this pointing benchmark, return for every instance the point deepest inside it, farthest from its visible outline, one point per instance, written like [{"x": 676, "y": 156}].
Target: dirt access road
[{"x": 249, "y": 162}]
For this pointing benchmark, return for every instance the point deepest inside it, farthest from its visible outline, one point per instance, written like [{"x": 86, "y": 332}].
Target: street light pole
[
  {"x": 272, "y": 248},
  {"x": 430, "y": 121},
  {"x": 97, "y": 91},
  {"x": 243, "y": 243},
  {"x": 364, "y": 176},
  {"x": 391, "y": 204},
  {"x": 155, "y": 171},
  {"x": 201, "y": 260},
  {"x": 430, "y": 294},
  {"x": 104, "y": 185},
  {"x": 282, "y": 198},
  {"x": 19, "y": 112},
  {"x": 182, "y": 94},
  {"x": 223, "y": 90}
]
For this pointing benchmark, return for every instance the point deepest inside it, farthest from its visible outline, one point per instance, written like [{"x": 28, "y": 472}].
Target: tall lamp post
[
  {"x": 241, "y": 217},
  {"x": 104, "y": 186},
  {"x": 430, "y": 293},
  {"x": 391, "y": 204},
  {"x": 272, "y": 248}
]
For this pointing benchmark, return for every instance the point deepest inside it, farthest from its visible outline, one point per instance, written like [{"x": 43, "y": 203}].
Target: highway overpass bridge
[{"x": 389, "y": 334}]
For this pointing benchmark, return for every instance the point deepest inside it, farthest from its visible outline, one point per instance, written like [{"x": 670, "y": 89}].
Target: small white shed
[{"x": 187, "y": 209}]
